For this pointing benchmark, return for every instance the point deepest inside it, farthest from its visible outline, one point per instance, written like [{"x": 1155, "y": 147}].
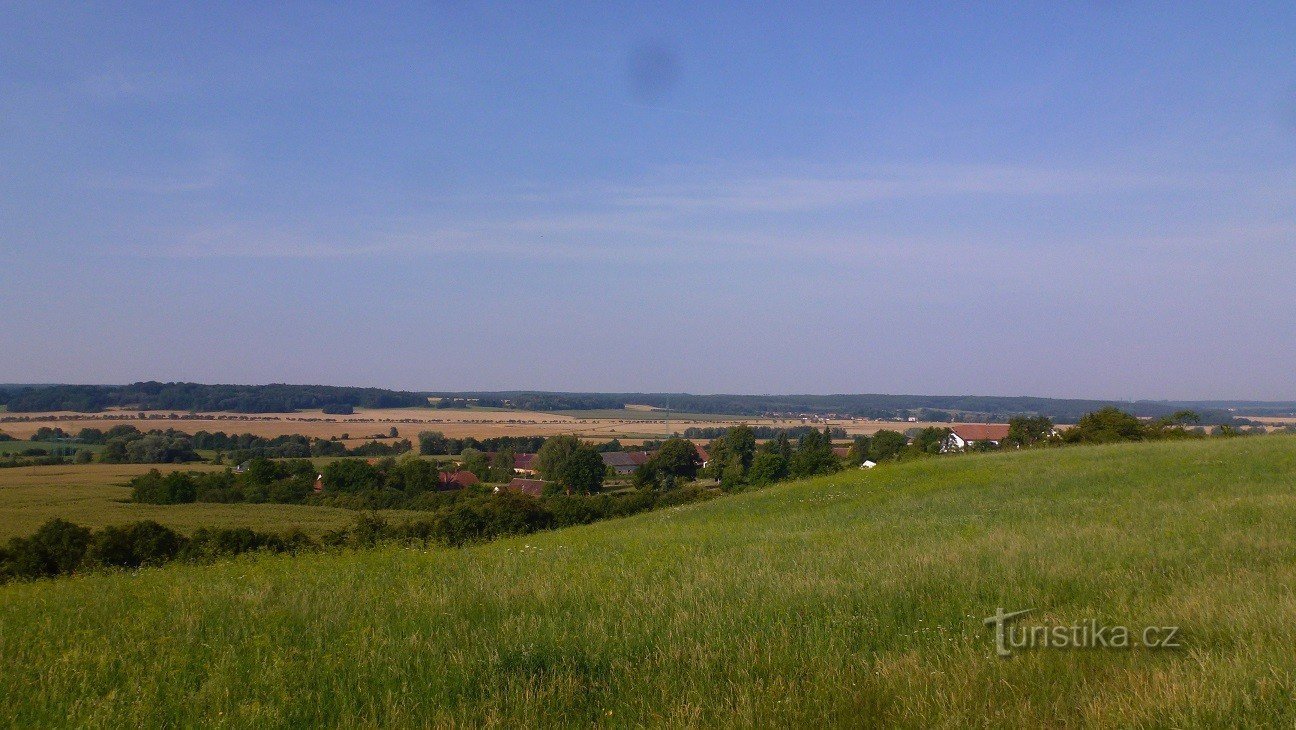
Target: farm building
[
  {"x": 703, "y": 455},
  {"x": 533, "y": 487},
  {"x": 524, "y": 464},
  {"x": 451, "y": 480},
  {"x": 964, "y": 435},
  {"x": 624, "y": 462}
]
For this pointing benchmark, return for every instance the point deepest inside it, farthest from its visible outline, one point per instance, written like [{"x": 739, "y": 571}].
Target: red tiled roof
[
  {"x": 533, "y": 487},
  {"x": 981, "y": 431},
  {"x": 523, "y": 461},
  {"x": 702, "y": 452},
  {"x": 459, "y": 478},
  {"x": 841, "y": 452}
]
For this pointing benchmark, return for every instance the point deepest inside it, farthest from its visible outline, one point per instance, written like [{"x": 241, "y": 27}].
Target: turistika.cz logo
[{"x": 1010, "y": 636}]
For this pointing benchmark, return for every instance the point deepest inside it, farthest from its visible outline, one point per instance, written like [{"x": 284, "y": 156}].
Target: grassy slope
[
  {"x": 94, "y": 495},
  {"x": 837, "y": 601}
]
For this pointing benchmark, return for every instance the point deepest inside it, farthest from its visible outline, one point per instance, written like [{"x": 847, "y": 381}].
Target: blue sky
[{"x": 1094, "y": 201}]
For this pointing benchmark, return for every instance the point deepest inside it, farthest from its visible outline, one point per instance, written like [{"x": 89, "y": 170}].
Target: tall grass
[{"x": 854, "y": 599}]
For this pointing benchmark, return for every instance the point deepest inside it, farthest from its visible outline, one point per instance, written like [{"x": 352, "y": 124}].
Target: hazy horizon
[{"x": 1080, "y": 202}]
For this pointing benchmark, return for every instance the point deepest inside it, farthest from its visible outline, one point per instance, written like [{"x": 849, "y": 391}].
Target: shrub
[
  {"x": 131, "y": 546},
  {"x": 153, "y": 488},
  {"x": 57, "y": 548}
]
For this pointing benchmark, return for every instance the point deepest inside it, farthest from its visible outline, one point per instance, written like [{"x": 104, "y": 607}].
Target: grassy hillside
[{"x": 848, "y": 600}]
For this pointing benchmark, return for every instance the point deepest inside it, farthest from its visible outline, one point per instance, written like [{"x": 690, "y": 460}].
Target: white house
[{"x": 964, "y": 435}]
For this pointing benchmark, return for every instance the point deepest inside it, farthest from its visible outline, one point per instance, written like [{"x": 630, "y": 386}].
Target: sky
[{"x": 1089, "y": 199}]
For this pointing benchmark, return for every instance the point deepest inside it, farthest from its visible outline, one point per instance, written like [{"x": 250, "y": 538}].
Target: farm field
[
  {"x": 855, "y": 599},
  {"x": 94, "y": 495},
  {"x": 15, "y": 447},
  {"x": 628, "y": 425}
]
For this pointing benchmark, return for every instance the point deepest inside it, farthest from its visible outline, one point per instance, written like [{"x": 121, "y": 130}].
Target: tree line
[
  {"x": 126, "y": 444},
  {"x": 153, "y": 395},
  {"x": 760, "y": 432}
]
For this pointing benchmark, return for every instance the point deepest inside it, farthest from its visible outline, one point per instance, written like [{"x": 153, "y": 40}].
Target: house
[
  {"x": 524, "y": 464},
  {"x": 624, "y": 462},
  {"x": 533, "y": 487},
  {"x": 964, "y": 435},
  {"x": 319, "y": 483},
  {"x": 451, "y": 480},
  {"x": 241, "y": 468},
  {"x": 703, "y": 456},
  {"x": 841, "y": 452}
]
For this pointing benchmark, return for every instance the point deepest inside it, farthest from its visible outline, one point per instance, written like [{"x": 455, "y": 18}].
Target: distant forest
[
  {"x": 280, "y": 398},
  {"x": 196, "y": 397},
  {"x": 878, "y": 406}
]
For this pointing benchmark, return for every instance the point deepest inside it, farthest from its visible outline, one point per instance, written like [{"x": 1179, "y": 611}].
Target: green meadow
[
  {"x": 96, "y": 495},
  {"x": 856, "y": 599},
  {"x": 63, "y": 447}
]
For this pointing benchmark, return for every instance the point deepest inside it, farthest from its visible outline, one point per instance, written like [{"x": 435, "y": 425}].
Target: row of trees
[
  {"x": 60, "y": 547},
  {"x": 126, "y": 444},
  {"x": 760, "y": 432},
  {"x": 435, "y": 443},
  {"x": 277, "y": 398}
]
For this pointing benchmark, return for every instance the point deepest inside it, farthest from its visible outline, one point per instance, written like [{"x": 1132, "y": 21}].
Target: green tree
[
  {"x": 732, "y": 475},
  {"x": 350, "y": 475},
  {"x": 859, "y": 451},
  {"x": 813, "y": 455},
  {"x": 678, "y": 458},
  {"x": 741, "y": 442},
  {"x": 718, "y": 450},
  {"x": 473, "y": 460},
  {"x": 886, "y": 444},
  {"x": 929, "y": 440},
  {"x": 1028, "y": 431},
  {"x": 553, "y": 455},
  {"x": 767, "y": 467},
  {"x": 501, "y": 468},
  {"x": 1106, "y": 425},
  {"x": 582, "y": 471},
  {"x": 433, "y": 443}
]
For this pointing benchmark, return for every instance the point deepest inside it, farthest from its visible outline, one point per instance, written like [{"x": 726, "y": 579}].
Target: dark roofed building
[
  {"x": 457, "y": 479},
  {"x": 533, "y": 487},
  {"x": 524, "y": 463},
  {"x": 624, "y": 462},
  {"x": 703, "y": 456}
]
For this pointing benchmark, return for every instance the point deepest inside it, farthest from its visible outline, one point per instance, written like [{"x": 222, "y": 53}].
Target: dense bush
[
  {"x": 132, "y": 546},
  {"x": 58, "y": 547},
  {"x": 62, "y": 548}
]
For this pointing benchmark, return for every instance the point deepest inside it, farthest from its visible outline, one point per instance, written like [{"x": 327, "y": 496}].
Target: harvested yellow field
[{"x": 409, "y": 421}]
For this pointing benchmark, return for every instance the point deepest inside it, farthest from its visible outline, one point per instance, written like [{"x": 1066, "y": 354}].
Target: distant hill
[
  {"x": 283, "y": 398},
  {"x": 880, "y": 406},
  {"x": 276, "y": 398}
]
